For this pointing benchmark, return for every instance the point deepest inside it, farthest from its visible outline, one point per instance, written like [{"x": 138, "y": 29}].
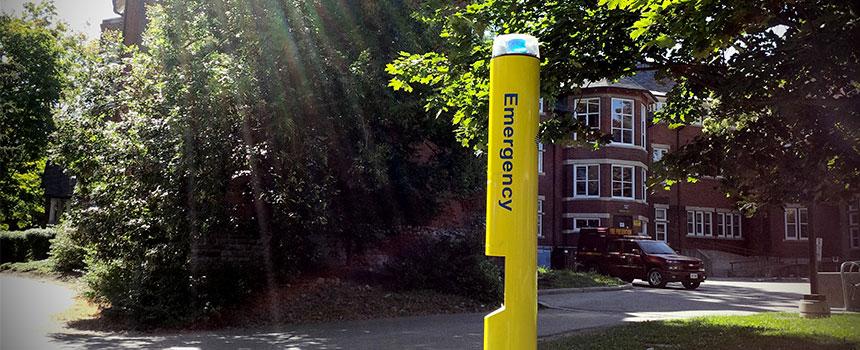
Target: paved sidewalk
[{"x": 569, "y": 312}]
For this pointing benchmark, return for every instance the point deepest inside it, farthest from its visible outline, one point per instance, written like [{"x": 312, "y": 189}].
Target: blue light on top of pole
[{"x": 515, "y": 44}]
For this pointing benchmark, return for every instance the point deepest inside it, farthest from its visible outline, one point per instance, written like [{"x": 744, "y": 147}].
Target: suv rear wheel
[
  {"x": 691, "y": 285},
  {"x": 655, "y": 278}
]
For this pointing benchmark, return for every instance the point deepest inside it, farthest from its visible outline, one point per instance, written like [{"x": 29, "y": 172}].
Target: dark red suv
[{"x": 636, "y": 257}]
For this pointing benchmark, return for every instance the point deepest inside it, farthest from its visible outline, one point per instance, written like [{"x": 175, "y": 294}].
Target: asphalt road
[{"x": 28, "y": 305}]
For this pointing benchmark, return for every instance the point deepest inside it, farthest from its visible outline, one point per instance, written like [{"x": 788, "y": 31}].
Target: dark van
[{"x": 631, "y": 257}]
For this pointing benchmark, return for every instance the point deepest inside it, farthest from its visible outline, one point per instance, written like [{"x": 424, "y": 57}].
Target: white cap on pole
[{"x": 515, "y": 44}]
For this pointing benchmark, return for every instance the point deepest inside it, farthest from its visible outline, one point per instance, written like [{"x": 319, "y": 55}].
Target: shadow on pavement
[{"x": 211, "y": 340}]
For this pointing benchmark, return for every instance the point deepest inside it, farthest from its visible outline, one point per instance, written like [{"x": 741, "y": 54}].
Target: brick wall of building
[{"x": 762, "y": 235}]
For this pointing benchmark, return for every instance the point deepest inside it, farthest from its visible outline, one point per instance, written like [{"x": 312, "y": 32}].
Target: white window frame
[
  {"x": 590, "y": 101},
  {"x": 541, "y": 151},
  {"x": 576, "y": 226},
  {"x": 621, "y": 182},
  {"x": 662, "y": 151},
  {"x": 708, "y": 224},
  {"x": 643, "y": 126},
  {"x": 854, "y": 223},
  {"x": 797, "y": 224},
  {"x": 691, "y": 223},
  {"x": 730, "y": 226},
  {"x": 700, "y": 223},
  {"x": 588, "y": 181},
  {"x": 721, "y": 224},
  {"x": 540, "y": 218},
  {"x": 622, "y": 129},
  {"x": 644, "y": 188},
  {"x": 661, "y": 223}
]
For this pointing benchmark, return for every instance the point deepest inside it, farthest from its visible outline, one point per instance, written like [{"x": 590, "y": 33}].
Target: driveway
[{"x": 567, "y": 312}]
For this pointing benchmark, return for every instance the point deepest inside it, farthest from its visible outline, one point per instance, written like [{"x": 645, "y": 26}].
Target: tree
[
  {"x": 264, "y": 120},
  {"x": 776, "y": 81},
  {"x": 32, "y": 50}
]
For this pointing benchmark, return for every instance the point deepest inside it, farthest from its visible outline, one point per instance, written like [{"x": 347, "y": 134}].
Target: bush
[
  {"x": 29, "y": 245},
  {"x": 155, "y": 292},
  {"x": 66, "y": 252},
  {"x": 447, "y": 263}
]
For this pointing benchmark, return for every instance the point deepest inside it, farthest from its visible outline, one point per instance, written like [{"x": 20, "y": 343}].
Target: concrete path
[
  {"x": 569, "y": 312},
  {"x": 27, "y": 309}
]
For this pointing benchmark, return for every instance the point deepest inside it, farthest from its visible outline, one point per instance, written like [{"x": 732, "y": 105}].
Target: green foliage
[
  {"x": 32, "y": 65},
  {"x": 761, "y": 331},
  {"x": 255, "y": 123},
  {"x": 776, "y": 84},
  {"x": 20, "y": 246},
  {"x": 548, "y": 279},
  {"x": 580, "y": 42},
  {"x": 22, "y": 197},
  {"x": 66, "y": 254},
  {"x": 446, "y": 262}
]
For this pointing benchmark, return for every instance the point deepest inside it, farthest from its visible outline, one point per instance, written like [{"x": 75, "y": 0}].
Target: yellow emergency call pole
[{"x": 512, "y": 189}]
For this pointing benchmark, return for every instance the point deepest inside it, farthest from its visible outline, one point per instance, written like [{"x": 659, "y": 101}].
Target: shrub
[
  {"x": 66, "y": 252},
  {"x": 447, "y": 263},
  {"x": 154, "y": 292},
  {"x": 20, "y": 246}
]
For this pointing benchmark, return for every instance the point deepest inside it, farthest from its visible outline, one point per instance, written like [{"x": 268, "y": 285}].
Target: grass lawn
[
  {"x": 786, "y": 331},
  {"x": 550, "y": 279}
]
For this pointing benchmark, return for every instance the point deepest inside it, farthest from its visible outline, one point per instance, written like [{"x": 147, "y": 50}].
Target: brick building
[{"x": 580, "y": 187}]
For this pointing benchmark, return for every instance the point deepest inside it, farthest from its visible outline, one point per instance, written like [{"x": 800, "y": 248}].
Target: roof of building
[
  {"x": 642, "y": 80},
  {"x": 57, "y": 183},
  {"x": 647, "y": 80},
  {"x": 624, "y": 83}
]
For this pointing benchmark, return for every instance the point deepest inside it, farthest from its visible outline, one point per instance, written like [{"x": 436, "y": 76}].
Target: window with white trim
[
  {"x": 699, "y": 223},
  {"x": 622, "y": 121},
  {"x": 622, "y": 181},
  {"x": 587, "y": 110},
  {"x": 854, "y": 223},
  {"x": 736, "y": 225},
  {"x": 721, "y": 225},
  {"x": 579, "y": 223},
  {"x": 796, "y": 224},
  {"x": 644, "y": 186},
  {"x": 540, "y": 217},
  {"x": 707, "y": 224},
  {"x": 540, "y": 157},
  {"x": 658, "y": 153},
  {"x": 728, "y": 225},
  {"x": 586, "y": 180},
  {"x": 691, "y": 223},
  {"x": 643, "y": 131},
  {"x": 661, "y": 224}
]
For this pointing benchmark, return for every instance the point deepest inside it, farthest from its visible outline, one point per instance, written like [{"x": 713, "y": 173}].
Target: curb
[{"x": 583, "y": 290}]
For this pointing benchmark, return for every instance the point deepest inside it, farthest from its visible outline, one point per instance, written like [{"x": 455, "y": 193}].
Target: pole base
[{"x": 814, "y": 306}]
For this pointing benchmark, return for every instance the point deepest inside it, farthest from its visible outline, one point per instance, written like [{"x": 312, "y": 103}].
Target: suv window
[
  {"x": 629, "y": 246},
  {"x": 614, "y": 247},
  {"x": 654, "y": 247}
]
